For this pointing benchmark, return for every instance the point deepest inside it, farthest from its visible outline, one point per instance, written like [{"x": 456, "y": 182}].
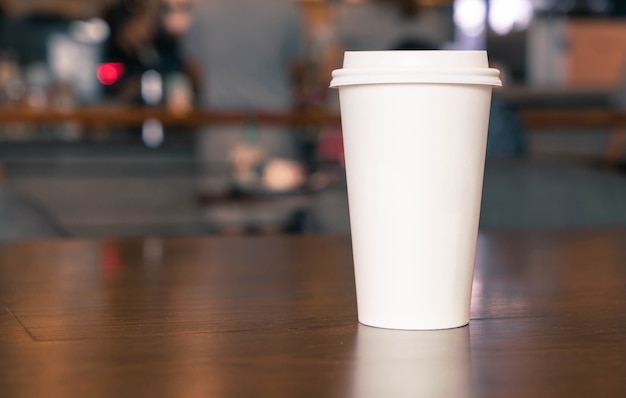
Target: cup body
[{"x": 414, "y": 153}]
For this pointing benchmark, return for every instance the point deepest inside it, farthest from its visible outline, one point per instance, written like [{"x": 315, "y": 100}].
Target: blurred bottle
[
  {"x": 63, "y": 98},
  {"x": 37, "y": 86},
  {"x": 151, "y": 87},
  {"x": 11, "y": 92},
  {"x": 179, "y": 94},
  {"x": 11, "y": 81}
]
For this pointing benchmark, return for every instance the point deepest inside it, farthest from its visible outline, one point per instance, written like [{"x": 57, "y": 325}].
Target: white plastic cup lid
[{"x": 438, "y": 66}]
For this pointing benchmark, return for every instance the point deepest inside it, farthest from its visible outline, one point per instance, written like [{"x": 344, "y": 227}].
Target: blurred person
[
  {"x": 357, "y": 26},
  {"x": 380, "y": 25},
  {"x": 133, "y": 28},
  {"x": 405, "y": 25},
  {"x": 370, "y": 26},
  {"x": 367, "y": 26},
  {"x": 174, "y": 21},
  {"x": 247, "y": 52},
  {"x": 145, "y": 36},
  {"x": 175, "y": 18}
]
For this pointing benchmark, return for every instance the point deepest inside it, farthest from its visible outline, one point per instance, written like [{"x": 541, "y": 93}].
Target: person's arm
[{"x": 193, "y": 70}]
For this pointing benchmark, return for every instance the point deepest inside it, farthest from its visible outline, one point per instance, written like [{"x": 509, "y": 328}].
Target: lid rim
[
  {"x": 433, "y": 81},
  {"x": 436, "y": 66},
  {"x": 422, "y": 71},
  {"x": 486, "y": 79}
]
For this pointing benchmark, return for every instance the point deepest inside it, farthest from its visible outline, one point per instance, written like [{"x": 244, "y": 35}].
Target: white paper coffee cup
[{"x": 415, "y": 132}]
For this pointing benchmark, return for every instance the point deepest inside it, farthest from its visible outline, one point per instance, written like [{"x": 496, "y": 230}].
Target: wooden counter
[
  {"x": 276, "y": 316},
  {"x": 535, "y": 119}
]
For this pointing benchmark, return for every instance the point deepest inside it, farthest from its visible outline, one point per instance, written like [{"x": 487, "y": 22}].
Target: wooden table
[{"x": 276, "y": 317}]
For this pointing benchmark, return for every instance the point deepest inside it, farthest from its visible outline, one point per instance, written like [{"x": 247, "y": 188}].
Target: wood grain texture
[{"x": 276, "y": 316}]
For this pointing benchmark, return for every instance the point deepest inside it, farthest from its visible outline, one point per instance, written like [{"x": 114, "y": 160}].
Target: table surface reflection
[{"x": 276, "y": 316}]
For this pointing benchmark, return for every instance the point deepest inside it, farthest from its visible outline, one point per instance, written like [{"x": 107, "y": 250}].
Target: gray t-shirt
[{"x": 246, "y": 49}]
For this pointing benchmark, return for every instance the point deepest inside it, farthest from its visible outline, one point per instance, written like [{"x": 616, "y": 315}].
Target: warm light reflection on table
[{"x": 276, "y": 316}]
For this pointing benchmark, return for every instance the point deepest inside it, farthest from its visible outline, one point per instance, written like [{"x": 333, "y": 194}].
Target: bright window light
[
  {"x": 470, "y": 16},
  {"x": 92, "y": 31},
  {"x": 506, "y": 15}
]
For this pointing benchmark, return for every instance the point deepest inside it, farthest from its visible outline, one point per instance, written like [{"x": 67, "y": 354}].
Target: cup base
[{"x": 424, "y": 328}]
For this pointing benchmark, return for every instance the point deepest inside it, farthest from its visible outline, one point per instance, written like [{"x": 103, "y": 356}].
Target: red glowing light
[{"x": 110, "y": 72}]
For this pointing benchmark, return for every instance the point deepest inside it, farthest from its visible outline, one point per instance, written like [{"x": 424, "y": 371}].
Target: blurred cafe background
[{"x": 198, "y": 117}]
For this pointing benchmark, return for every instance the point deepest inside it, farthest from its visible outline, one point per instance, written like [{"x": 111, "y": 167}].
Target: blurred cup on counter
[{"x": 415, "y": 131}]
